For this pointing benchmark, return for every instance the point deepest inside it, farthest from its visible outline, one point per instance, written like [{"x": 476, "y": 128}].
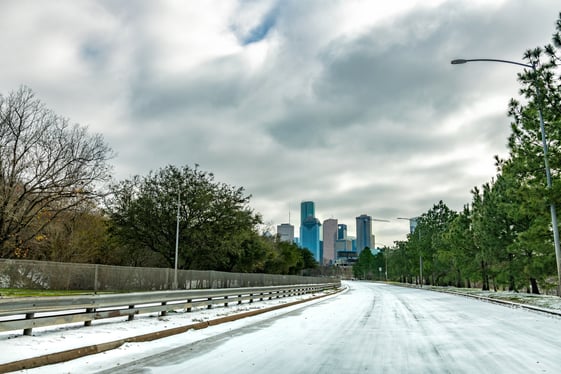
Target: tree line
[
  {"x": 503, "y": 238},
  {"x": 58, "y": 202}
]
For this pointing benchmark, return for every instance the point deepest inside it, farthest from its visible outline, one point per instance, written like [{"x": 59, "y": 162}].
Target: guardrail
[{"x": 30, "y": 312}]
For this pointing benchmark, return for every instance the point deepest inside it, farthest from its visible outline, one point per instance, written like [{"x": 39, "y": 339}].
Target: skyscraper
[
  {"x": 363, "y": 232},
  {"x": 341, "y": 231},
  {"x": 309, "y": 237},
  {"x": 307, "y": 209},
  {"x": 285, "y": 231},
  {"x": 343, "y": 243},
  {"x": 329, "y": 237},
  {"x": 309, "y": 229}
]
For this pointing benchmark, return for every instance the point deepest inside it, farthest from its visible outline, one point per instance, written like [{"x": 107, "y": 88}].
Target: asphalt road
[{"x": 376, "y": 328}]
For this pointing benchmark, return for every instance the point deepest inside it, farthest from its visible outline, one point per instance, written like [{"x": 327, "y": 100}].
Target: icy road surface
[{"x": 372, "y": 328}]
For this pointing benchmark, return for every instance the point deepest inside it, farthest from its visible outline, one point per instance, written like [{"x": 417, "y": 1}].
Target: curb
[
  {"x": 71, "y": 354},
  {"x": 505, "y": 302},
  {"x": 487, "y": 299}
]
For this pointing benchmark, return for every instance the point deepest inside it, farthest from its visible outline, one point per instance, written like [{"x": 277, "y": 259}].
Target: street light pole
[
  {"x": 386, "y": 249},
  {"x": 545, "y": 157},
  {"x": 176, "y": 242}
]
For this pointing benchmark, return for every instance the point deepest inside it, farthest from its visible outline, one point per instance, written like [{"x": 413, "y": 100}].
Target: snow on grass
[{"x": 543, "y": 301}]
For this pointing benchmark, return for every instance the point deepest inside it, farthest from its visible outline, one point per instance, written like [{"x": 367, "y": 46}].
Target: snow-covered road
[{"x": 372, "y": 328}]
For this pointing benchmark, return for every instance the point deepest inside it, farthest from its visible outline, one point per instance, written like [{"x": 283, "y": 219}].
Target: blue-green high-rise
[
  {"x": 310, "y": 238},
  {"x": 310, "y": 230},
  {"x": 307, "y": 209}
]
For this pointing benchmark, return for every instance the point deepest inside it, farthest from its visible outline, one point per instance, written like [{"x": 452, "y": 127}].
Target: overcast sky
[{"x": 350, "y": 103}]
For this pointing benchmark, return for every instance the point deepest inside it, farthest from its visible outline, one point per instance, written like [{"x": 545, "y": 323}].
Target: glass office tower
[
  {"x": 307, "y": 209},
  {"x": 309, "y": 237},
  {"x": 363, "y": 232}
]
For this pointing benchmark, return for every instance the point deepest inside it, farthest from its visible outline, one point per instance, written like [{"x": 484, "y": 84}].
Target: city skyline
[
  {"x": 325, "y": 239},
  {"x": 350, "y": 227}
]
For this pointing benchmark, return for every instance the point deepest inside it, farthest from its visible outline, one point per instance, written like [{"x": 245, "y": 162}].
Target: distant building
[
  {"x": 307, "y": 209},
  {"x": 363, "y": 232},
  {"x": 413, "y": 224},
  {"x": 310, "y": 230},
  {"x": 310, "y": 235},
  {"x": 345, "y": 258},
  {"x": 285, "y": 231},
  {"x": 341, "y": 231},
  {"x": 330, "y": 230},
  {"x": 343, "y": 245}
]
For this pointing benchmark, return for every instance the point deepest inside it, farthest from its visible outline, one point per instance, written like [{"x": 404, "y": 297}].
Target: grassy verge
[{"x": 23, "y": 292}]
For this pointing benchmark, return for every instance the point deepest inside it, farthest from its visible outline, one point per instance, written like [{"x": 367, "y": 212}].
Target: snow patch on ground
[
  {"x": 543, "y": 301},
  {"x": 15, "y": 346}
]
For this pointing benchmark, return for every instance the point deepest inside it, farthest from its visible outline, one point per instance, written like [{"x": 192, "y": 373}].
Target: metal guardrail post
[
  {"x": 89, "y": 322},
  {"x": 28, "y": 330},
  {"x": 131, "y": 315}
]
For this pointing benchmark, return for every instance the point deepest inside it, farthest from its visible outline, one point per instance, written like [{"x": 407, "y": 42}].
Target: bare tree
[{"x": 47, "y": 167}]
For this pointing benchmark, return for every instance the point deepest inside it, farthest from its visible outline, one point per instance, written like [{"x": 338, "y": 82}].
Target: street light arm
[{"x": 463, "y": 61}]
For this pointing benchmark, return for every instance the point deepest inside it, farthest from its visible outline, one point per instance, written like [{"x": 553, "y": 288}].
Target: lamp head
[{"x": 458, "y": 61}]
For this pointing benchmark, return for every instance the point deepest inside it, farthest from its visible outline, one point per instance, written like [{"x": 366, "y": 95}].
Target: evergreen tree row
[{"x": 503, "y": 238}]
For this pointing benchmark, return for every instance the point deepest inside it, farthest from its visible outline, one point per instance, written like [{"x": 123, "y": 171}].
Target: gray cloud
[{"x": 278, "y": 97}]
